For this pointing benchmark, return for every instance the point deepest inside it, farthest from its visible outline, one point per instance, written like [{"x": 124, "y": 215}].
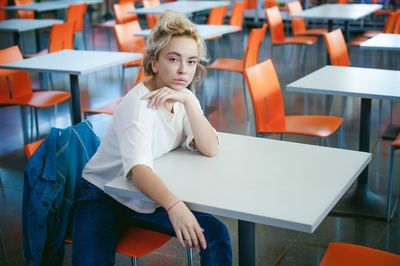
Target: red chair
[
  {"x": 269, "y": 110},
  {"x": 299, "y": 24},
  {"x": 237, "y": 15},
  {"x": 3, "y": 3},
  {"x": 16, "y": 88},
  {"x": 134, "y": 242},
  {"x": 354, "y": 255},
  {"x": 217, "y": 15},
  {"x": 393, "y": 147},
  {"x": 24, "y": 14},
  {"x": 151, "y": 19},
  {"x": 76, "y": 15},
  {"x": 272, "y": 3},
  {"x": 122, "y": 13},
  {"x": 250, "y": 58}
]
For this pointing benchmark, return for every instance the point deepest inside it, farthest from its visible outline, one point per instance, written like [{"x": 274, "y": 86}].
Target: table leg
[
  {"x": 247, "y": 243},
  {"x": 361, "y": 201},
  {"x": 75, "y": 100},
  {"x": 346, "y": 31}
]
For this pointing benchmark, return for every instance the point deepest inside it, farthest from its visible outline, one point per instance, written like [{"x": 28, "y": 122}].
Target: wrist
[{"x": 173, "y": 205}]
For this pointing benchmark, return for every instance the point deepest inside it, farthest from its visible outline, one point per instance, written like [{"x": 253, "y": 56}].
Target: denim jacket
[{"x": 50, "y": 182}]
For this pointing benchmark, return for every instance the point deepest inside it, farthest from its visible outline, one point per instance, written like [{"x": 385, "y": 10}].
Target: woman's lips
[{"x": 180, "y": 81}]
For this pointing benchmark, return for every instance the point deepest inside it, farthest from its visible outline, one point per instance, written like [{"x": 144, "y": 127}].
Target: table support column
[
  {"x": 75, "y": 100},
  {"x": 247, "y": 244}
]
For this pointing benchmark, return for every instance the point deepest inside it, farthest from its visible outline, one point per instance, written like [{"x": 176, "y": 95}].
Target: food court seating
[
  {"x": 24, "y": 13},
  {"x": 76, "y": 15},
  {"x": 299, "y": 24},
  {"x": 270, "y": 116}
]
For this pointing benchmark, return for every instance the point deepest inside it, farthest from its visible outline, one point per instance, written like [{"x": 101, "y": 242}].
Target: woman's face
[{"x": 177, "y": 63}]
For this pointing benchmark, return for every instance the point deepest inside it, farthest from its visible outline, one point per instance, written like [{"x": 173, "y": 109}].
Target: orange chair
[
  {"x": 76, "y": 15},
  {"x": 382, "y": 12},
  {"x": 393, "y": 147},
  {"x": 110, "y": 108},
  {"x": 342, "y": 2},
  {"x": 16, "y": 88},
  {"x": 396, "y": 29},
  {"x": 151, "y": 19},
  {"x": 278, "y": 34},
  {"x": 121, "y": 13},
  {"x": 237, "y": 15},
  {"x": 134, "y": 242},
  {"x": 250, "y": 58},
  {"x": 217, "y": 15},
  {"x": 344, "y": 254},
  {"x": 266, "y": 95},
  {"x": 272, "y": 3},
  {"x": 299, "y": 24},
  {"x": 3, "y": 3},
  {"x": 250, "y": 4},
  {"x": 127, "y": 42},
  {"x": 388, "y": 28},
  {"x": 24, "y": 14}
]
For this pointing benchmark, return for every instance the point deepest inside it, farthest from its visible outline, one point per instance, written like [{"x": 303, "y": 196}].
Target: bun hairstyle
[{"x": 174, "y": 24}]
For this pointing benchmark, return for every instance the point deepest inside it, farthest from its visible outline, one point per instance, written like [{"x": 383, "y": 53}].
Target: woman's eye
[
  {"x": 192, "y": 62},
  {"x": 173, "y": 59}
]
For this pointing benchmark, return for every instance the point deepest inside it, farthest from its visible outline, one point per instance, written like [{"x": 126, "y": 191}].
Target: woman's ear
[{"x": 154, "y": 66}]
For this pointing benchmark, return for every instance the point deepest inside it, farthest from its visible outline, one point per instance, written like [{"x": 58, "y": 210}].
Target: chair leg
[
  {"x": 3, "y": 247},
  {"x": 123, "y": 81},
  {"x": 305, "y": 103},
  {"x": 340, "y": 137},
  {"x": 246, "y": 106},
  {"x": 303, "y": 52},
  {"x": 281, "y": 137},
  {"x": 344, "y": 106},
  {"x": 37, "y": 123},
  {"x": 389, "y": 193},
  {"x": 189, "y": 256},
  {"x": 134, "y": 261},
  {"x": 320, "y": 141},
  {"x": 217, "y": 88}
]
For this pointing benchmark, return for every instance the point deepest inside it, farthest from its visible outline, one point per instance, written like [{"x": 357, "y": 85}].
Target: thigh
[{"x": 95, "y": 232}]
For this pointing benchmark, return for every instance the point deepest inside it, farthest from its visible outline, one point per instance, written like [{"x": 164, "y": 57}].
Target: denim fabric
[
  {"x": 49, "y": 190},
  {"x": 99, "y": 220}
]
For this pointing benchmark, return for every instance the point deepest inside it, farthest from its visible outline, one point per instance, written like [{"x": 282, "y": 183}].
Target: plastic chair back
[
  {"x": 61, "y": 37},
  {"x": 13, "y": 83},
  {"x": 354, "y": 255},
  {"x": 337, "y": 48},
  {"x": 298, "y": 24},
  {"x": 396, "y": 29},
  {"x": 265, "y": 92},
  {"x": 3, "y": 3},
  {"x": 142, "y": 76},
  {"x": 270, "y": 3},
  {"x": 256, "y": 37},
  {"x": 126, "y": 40},
  {"x": 217, "y": 15},
  {"x": 342, "y": 2},
  {"x": 32, "y": 147},
  {"x": 250, "y": 4},
  {"x": 121, "y": 12},
  {"x": 24, "y": 14},
  {"x": 76, "y": 14},
  {"x": 151, "y": 19},
  {"x": 391, "y": 21},
  {"x": 275, "y": 24},
  {"x": 238, "y": 10}
]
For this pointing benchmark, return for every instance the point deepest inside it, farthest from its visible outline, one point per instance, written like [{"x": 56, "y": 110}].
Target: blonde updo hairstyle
[{"x": 174, "y": 24}]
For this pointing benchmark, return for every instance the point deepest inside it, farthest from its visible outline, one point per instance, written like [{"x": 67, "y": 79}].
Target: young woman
[{"x": 155, "y": 117}]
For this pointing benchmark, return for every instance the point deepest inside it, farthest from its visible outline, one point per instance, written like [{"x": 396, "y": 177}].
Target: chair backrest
[
  {"x": 265, "y": 92},
  {"x": 298, "y": 24},
  {"x": 126, "y": 40},
  {"x": 337, "y": 48},
  {"x": 391, "y": 21},
  {"x": 76, "y": 14},
  {"x": 3, "y": 3},
  {"x": 151, "y": 19},
  {"x": 349, "y": 255},
  {"x": 396, "y": 29},
  {"x": 254, "y": 41},
  {"x": 342, "y": 2},
  {"x": 270, "y": 3},
  {"x": 237, "y": 14},
  {"x": 217, "y": 15},
  {"x": 250, "y": 4},
  {"x": 61, "y": 37},
  {"x": 32, "y": 147},
  {"x": 142, "y": 76},
  {"x": 275, "y": 24},
  {"x": 24, "y": 13},
  {"x": 121, "y": 12},
  {"x": 13, "y": 83}
]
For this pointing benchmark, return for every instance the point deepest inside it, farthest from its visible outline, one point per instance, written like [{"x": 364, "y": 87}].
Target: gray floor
[{"x": 274, "y": 246}]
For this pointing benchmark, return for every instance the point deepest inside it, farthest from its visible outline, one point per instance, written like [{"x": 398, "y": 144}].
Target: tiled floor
[{"x": 274, "y": 246}]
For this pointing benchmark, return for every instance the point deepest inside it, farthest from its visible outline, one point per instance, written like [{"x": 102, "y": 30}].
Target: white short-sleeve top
[{"x": 137, "y": 135}]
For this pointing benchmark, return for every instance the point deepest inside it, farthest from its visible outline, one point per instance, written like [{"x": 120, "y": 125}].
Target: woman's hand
[
  {"x": 163, "y": 95},
  {"x": 186, "y": 227}
]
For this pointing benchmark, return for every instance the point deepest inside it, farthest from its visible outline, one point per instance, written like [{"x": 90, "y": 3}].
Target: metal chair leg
[
  {"x": 134, "y": 261},
  {"x": 246, "y": 106},
  {"x": 390, "y": 211},
  {"x": 37, "y": 123},
  {"x": 344, "y": 106},
  {"x": 189, "y": 256},
  {"x": 340, "y": 137}
]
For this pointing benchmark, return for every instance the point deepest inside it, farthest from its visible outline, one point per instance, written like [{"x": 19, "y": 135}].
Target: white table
[
  {"x": 185, "y": 7},
  {"x": 206, "y": 31},
  {"x": 383, "y": 41},
  {"x": 258, "y": 180},
  {"x": 346, "y": 13},
  {"x": 367, "y": 84},
  {"x": 74, "y": 63},
  {"x": 17, "y": 26}
]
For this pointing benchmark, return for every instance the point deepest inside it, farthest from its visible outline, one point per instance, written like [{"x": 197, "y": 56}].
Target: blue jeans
[{"x": 99, "y": 220}]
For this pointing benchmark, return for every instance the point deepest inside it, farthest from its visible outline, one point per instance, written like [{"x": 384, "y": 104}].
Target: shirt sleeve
[{"x": 135, "y": 137}]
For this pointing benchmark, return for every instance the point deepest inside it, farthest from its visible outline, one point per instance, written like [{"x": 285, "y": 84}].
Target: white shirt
[{"x": 137, "y": 135}]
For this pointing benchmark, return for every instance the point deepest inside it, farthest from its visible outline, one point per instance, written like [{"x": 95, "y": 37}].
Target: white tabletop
[
  {"x": 383, "y": 41},
  {"x": 76, "y": 62},
  {"x": 278, "y": 183},
  {"x": 360, "y": 82},
  {"x": 21, "y": 25},
  {"x": 339, "y": 12},
  {"x": 50, "y": 5},
  {"x": 185, "y": 7},
  {"x": 206, "y": 31}
]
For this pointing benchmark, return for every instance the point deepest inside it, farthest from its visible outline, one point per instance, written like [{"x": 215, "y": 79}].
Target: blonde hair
[{"x": 174, "y": 24}]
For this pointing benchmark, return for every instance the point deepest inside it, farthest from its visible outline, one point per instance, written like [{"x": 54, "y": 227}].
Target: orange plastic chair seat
[
  {"x": 396, "y": 142},
  {"x": 41, "y": 99},
  {"x": 354, "y": 255},
  {"x": 108, "y": 109},
  {"x": 307, "y": 40},
  {"x": 316, "y": 31},
  {"x": 227, "y": 64},
  {"x": 383, "y": 12},
  {"x": 312, "y": 125}
]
